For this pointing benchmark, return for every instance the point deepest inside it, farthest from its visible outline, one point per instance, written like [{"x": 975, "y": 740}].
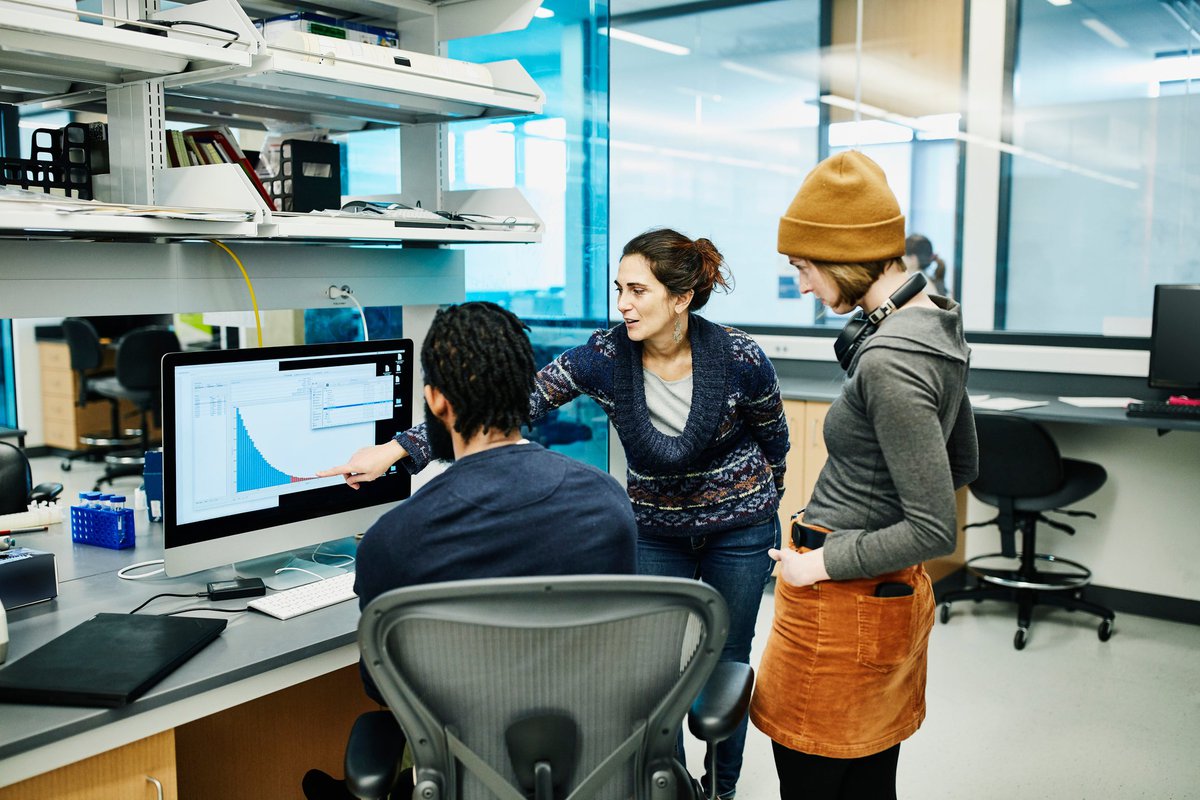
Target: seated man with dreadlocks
[{"x": 506, "y": 506}]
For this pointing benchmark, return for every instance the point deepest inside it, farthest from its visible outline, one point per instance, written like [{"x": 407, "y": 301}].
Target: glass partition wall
[{"x": 1103, "y": 179}]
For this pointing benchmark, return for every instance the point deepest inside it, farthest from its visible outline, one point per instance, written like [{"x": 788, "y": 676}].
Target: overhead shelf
[
  {"x": 42, "y": 54},
  {"x": 343, "y": 94}
]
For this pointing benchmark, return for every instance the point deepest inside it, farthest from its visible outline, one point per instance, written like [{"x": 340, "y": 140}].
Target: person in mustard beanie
[{"x": 842, "y": 680}]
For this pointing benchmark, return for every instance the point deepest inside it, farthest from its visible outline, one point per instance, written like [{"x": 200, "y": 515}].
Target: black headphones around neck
[{"x": 863, "y": 325}]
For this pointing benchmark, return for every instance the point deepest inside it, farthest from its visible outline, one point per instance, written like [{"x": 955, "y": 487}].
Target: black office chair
[
  {"x": 138, "y": 380},
  {"x": 544, "y": 688},
  {"x": 1022, "y": 473},
  {"x": 87, "y": 355},
  {"x": 17, "y": 491}
]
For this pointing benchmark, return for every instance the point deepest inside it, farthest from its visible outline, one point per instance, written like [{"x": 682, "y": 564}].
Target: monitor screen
[
  {"x": 1175, "y": 337},
  {"x": 245, "y": 431}
]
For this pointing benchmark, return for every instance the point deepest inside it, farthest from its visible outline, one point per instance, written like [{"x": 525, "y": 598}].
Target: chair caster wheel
[
  {"x": 65, "y": 466},
  {"x": 944, "y": 615},
  {"x": 1021, "y": 637},
  {"x": 1105, "y": 631}
]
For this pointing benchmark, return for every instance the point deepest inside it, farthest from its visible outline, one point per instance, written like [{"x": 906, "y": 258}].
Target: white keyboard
[{"x": 309, "y": 597}]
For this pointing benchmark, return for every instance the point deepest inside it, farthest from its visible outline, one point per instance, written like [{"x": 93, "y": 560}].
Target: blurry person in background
[{"x": 919, "y": 257}]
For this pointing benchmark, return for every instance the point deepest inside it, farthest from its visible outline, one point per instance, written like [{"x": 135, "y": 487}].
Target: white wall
[{"x": 29, "y": 378}]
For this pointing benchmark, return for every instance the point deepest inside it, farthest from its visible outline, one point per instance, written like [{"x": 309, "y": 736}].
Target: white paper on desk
[
  {"x": 1009, "y": 403},
  {"x": 976, "y": 399},
  {"x": 1098, "y": 402}
]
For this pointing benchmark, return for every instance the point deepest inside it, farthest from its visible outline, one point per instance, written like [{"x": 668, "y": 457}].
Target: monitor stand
[{"x": 298, "y": 567}]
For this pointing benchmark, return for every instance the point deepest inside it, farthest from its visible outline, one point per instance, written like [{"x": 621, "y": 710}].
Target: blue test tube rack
[{"x": 103, "y": 527}]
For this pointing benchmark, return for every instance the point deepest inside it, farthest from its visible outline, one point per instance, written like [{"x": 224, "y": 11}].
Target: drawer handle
[{"x": 157, "y": 786}]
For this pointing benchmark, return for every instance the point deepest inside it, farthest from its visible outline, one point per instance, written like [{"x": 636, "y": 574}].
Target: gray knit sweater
[{"x": 901, "y": 439}]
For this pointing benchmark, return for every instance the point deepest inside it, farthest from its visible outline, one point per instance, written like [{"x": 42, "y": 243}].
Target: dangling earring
[{"x": 677, "y": 334}]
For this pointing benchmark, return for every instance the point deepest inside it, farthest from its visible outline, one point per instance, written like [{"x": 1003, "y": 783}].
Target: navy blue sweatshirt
[{"x": 519, "y": 510}]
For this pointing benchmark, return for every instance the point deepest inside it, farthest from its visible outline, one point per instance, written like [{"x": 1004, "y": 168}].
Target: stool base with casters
[
  {"x": 101, "y": 444},
  {"x": 1028, "y": 586},
  {"x": 122, "y": 464}
]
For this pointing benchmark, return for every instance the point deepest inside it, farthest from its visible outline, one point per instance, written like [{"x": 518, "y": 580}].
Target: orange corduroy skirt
[{"x": 843, "y": 673}]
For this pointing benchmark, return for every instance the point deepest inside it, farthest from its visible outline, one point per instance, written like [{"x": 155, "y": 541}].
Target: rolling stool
[
  {"x": 1022, "y": 474},
  {"x": 83, "y": 344},
  {"x": 138, "y": 380}
]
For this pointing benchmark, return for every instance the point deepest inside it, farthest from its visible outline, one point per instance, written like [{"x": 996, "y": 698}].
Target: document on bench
[{"x": 1008, "y": 403}]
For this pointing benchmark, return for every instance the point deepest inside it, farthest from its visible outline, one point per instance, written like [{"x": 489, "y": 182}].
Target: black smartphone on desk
[{"x": 893, "y": 589}]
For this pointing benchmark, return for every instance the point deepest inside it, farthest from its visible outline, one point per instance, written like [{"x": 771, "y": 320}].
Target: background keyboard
[
  {"x": 1163, "y": 410},
  {"x": 309, "y": 597}
]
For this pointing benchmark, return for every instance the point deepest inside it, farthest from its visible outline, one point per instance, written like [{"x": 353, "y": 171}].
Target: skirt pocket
[{"x": 886, "y": 631}]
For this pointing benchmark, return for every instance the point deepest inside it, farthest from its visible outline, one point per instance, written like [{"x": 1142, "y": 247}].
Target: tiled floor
[{"x": 1068, "y": 718}]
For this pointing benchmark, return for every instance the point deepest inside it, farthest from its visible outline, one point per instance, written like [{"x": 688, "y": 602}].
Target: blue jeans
[{"x": 736, "y": 564}]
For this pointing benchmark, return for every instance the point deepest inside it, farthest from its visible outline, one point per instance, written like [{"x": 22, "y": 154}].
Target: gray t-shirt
[
  {"x": 901, "y": 439},
  {"x": 668, "y": 402}
]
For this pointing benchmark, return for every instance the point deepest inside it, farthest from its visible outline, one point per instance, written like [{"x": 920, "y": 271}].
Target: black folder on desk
[{"x": 107, "y": 661}]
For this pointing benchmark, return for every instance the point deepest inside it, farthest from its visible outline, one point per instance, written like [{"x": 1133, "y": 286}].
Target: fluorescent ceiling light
[
  {"x": 1059, "y": 2},
  {"x": 1104, "y": 32},
  {"x": 844, "y": 102},
  {"x": 867, "y": 132},
  {"x": 971, "y": 138},
  {"x": 938, "y": 126},
  {"x": 645, "y": 41},
  {"x": 543, "y": 13},
  {"x": 753, "y": 72}
]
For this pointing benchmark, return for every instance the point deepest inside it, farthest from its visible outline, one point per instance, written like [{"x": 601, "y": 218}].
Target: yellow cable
[{"x": 249, "y": 285}]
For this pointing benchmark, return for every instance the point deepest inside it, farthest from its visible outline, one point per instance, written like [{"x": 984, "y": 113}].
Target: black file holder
[
  {"x": 310, "y": 176},
  {"x": 61, "y": 161}
]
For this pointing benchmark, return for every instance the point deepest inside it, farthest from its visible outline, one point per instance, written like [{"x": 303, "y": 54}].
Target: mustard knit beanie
[{"x": 845, "y": 213}]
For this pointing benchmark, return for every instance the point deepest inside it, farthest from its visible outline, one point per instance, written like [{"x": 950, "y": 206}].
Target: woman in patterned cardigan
[{"x": 697, "y": 408}]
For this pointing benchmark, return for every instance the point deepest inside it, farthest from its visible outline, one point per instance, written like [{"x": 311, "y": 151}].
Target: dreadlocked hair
[{"x": 478, "y": 355}]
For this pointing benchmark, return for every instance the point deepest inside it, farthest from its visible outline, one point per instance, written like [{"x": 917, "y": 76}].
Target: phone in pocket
[{"x": 890, "y": 589}]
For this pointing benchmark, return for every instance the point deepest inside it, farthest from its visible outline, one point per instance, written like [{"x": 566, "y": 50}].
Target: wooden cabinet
[
  {"x": 806, "y": 420},
  {"x": 267, "y": 744},
  {"x": 259, "y": 749},
  {"x": 125, "y": 772},
  {"x": 806, "y": 423},
  {"x": 62, "y": 420}
]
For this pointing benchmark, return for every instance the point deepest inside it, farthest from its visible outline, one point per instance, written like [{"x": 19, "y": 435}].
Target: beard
[{"x": 441, "y": 444}]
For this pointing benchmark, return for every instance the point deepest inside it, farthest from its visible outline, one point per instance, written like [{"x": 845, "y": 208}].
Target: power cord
[
  {"x": 249, "y": 285},
  {"x": 217, "y": 590},
  {"x": 345, "y": 293},
  {"x": 167, "y": 594},
  {"x": 124, "y": 572}
]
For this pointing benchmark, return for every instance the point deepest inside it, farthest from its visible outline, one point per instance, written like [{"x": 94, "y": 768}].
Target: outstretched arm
[{"x": 367, "y": 464}]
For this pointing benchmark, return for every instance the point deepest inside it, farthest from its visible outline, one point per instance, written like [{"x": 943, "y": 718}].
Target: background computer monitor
[
  {"x": 244, "y": 431},
  {"x": 1175, "y": 338}
]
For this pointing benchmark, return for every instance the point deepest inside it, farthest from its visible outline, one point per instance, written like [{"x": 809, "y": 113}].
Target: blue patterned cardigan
[{"x": 724, "y": 471}]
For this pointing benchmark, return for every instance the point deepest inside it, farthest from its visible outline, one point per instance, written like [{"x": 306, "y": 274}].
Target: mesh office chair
[
  {"x": 87, "y": 354},
  {"x": 16, "y": 482},
  {"x": 1022, "y": 473},
  {"x": 138, "y": 380},
  {"x": 547, "y": 688}
]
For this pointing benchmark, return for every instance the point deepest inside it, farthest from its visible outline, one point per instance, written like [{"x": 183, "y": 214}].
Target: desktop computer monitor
[
  {"x": 1175, "y": 338},
  {"x": 245, "y": 431}
]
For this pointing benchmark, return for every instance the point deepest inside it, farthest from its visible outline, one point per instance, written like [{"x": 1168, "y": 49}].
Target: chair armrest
[
  {"x": 373, "y": 755},
  {"x": 722, "y": 702}
]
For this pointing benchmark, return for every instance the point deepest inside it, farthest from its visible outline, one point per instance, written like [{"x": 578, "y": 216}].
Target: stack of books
[{"x": 212, "y": 145}]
